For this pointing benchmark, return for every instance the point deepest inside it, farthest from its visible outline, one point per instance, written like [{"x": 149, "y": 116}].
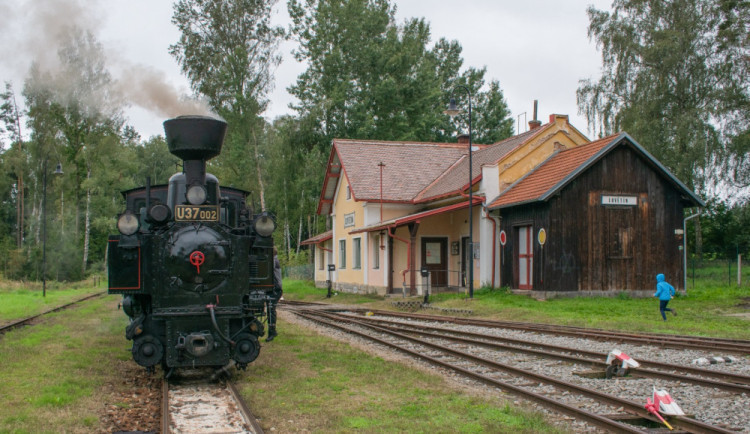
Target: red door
[{"x": 525, "y": 257}]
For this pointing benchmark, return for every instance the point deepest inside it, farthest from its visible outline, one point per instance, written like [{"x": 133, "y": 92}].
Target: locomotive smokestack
[{"x": 195, "y": 139}]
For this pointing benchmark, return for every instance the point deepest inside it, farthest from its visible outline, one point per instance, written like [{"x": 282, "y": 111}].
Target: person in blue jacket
[{"x": 665, "y": 292}]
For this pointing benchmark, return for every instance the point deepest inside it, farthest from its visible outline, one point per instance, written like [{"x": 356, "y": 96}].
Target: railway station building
[{"x": 553, "y": 213}]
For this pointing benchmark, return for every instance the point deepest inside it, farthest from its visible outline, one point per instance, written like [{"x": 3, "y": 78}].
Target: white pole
[{"x": 739, "y": 270}]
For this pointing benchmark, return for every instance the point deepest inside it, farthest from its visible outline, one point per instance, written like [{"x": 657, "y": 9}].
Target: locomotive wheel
[
  {"x": 246, "y": 348},
  {"x": 147, "y": 350}
]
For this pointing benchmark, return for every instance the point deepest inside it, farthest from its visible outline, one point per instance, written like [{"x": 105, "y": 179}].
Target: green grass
[
  {"x": 300, "y": 290},
  {"x": 306, "y": 381},
  {"x": 20, "y": 300},
  {"x": 53, "y": 372}
]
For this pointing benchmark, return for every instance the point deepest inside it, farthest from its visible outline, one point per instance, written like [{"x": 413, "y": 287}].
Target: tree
[
  {"x": 75, "y": 118},
  {"x": 227, "y": 49},
  {"x": 10, "y": 115},
  {"x": 675, "y": 77},
  {"x": 369, "y": 78}
]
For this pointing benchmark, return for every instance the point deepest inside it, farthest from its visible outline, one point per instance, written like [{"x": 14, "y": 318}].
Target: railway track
[
  {"x": 734, "y": 346},
  {"x": 459, "y": 354},
  {"x": 649, "y": 369},
  {"x": 25, "y": 321},
  {"x": 198, "y": 405}
]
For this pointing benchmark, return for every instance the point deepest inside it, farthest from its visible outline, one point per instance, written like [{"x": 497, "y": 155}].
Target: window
[
  {"x": 321, "y": 262},
  {"x": 376, "y": 251},
  {"x": 348, "y": 192},
  {"x": 342, "y": 254},
  {"x": 357, "y": 253}
]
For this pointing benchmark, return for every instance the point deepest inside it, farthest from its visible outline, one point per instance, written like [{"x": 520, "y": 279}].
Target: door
[
  {"x": 525, "y": 258},
  {"x": 435, "y": 259},
  {"x": 620, "y": 262},
  {"x": 465, "y": 261}
]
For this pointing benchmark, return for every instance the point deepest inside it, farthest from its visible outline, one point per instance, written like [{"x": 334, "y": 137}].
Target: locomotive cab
[{"x": 194, "y": 266}]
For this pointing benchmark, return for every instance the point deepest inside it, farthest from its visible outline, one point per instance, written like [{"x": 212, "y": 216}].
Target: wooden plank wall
[{"x": 595, "y": 247}]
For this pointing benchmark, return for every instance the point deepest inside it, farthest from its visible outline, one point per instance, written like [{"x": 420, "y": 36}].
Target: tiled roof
[
  {"x": 550, "y": 173},
  {"x": 457, "y": 177},
  {"x": 325, "y": 236},
  {"x": 409, "y": 166}
]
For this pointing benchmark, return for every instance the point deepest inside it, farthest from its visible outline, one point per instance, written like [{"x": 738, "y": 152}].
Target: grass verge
[
  {"x": 53, "y": 373},
  {"x": 306, "y": 382},
  {"x": 23, "y": 300}
]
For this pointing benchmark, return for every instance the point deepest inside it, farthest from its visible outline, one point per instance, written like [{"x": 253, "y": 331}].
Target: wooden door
[
  {"x": 435, "y": 259},
  {"x": 620, "y": 263},
  {"x": 525, "y": 257}
]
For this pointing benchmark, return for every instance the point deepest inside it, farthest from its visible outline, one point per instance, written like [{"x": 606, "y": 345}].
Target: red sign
[{"x": 503, "y": 238}]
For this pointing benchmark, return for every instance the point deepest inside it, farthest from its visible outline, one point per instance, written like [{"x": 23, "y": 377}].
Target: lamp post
[
  {"x": 58, "y": 171},
  {"x": 452, "y": 112}
]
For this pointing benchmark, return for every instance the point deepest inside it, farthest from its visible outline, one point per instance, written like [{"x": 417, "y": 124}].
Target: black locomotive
[{"x": 192, "y": 261}]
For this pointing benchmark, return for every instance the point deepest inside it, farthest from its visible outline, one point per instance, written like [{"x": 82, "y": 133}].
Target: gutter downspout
[
  {"x": 408, "y": 253},
  {"x": 684, "y": 248}
]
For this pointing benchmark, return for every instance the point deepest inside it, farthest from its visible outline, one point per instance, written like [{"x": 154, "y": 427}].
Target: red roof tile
[
  {"x": 409, "y": 166},
  {"x": 549, "y": 173},
  {"x": 317, "y": 239}
]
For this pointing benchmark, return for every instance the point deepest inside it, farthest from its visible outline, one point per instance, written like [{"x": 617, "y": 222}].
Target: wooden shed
[{"x": 604, "y": 216}]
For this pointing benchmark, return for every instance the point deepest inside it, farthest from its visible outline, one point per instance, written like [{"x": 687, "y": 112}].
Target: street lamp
[
  {"x": 58, "y": 171},
  {"x": 452, "y": 112}
]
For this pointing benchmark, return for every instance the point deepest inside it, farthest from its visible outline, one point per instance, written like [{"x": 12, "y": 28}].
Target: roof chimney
[
  {"x": 535, "y": 123},
  {"x": 463, "y": 139}
]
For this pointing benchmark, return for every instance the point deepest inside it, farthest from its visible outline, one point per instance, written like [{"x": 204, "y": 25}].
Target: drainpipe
[
  {"x": 684, "y": 248},
  {"x": 408, "y": 253}
]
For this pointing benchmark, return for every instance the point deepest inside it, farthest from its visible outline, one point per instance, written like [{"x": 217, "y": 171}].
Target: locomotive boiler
[{"x": 193, "y": 263}]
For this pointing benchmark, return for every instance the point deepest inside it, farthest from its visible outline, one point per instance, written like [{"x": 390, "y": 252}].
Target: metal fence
[
  {"x": 735, "y": 271},
  {"x": 298, "y": 272}
]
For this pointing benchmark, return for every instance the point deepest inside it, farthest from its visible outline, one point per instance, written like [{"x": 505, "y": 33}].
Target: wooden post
[{"x": 739, "y": 270}]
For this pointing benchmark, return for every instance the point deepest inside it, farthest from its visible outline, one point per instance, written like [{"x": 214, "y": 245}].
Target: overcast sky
[{"x": 537, "y": 49}]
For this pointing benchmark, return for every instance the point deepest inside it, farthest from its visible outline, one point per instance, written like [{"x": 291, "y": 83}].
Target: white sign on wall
[
  {"x": 348, "y": 220},
  {"x": 620, "y": 200}
]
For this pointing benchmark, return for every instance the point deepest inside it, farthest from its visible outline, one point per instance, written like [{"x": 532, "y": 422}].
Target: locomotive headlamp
[
  {"x": 128, "y": 223},
  {"x": 264, "y": 225},
  {"x": 159, "y": 213},
  {"x": 196, "y": 194}
]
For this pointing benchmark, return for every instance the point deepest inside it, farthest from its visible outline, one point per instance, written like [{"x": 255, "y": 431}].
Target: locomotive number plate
[{"x": 201, "y": 213}]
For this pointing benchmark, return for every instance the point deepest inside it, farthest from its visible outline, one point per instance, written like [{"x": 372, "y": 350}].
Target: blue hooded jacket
[{"x": 664, "y": 290}]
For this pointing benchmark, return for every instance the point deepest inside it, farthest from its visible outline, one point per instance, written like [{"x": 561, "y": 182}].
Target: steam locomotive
[{"x": 193, "y": 263}]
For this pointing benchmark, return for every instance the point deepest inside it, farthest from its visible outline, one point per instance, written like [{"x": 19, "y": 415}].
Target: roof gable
[{"x": 564, "y": 166}]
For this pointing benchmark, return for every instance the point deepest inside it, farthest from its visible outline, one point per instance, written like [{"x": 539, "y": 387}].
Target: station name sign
[{"x": 620, "y": 200}]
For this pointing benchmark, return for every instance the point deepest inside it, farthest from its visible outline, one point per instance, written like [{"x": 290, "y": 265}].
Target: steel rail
[
  {"x": 666, "y": 341},
  {"x": 641, "y": 372},
  {"x": 165, "y": 421},
  {"x": 719, "y": 375},
  {"x": 23, "y": 321},
  {"x": 247, "y": 414},
  {"x": 631, "y": 407},
  {"x": 595, "y": 419}
]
